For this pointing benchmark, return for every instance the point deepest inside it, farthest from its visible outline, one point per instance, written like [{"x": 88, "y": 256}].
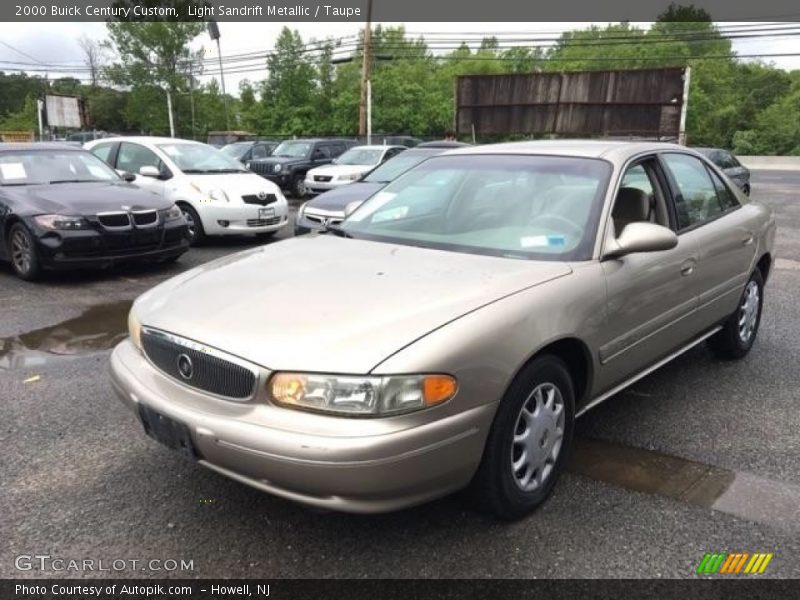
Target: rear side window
[
  {"x": 697, "y": 200},
  {"x": 726, "y": 197}
]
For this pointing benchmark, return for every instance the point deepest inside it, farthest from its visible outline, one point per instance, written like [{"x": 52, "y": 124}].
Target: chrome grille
[
  {"x": 263, "y": 222},
  {"x": 254, "y": 199},
  {"x": 211, "y": 370},
  {"x": 323, "y": 220},
  {"x": 114, "y": 220},
  {"x": 145, "y": 218}
]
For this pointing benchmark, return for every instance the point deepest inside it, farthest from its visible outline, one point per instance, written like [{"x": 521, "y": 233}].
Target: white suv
[{"x": 216, "y": 194}]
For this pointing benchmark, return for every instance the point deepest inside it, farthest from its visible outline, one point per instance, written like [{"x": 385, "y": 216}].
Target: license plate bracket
[
  {"x": 266, "y": 213},
  {"x": 168, "y": 432}
]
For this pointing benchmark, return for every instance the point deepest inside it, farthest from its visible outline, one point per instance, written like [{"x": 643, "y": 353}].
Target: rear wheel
[
  {"x": 195, "y": 226},
  {"x": 739, "y": 332},
  {"x": 23, "y": 253},
  {"x": 528, "y": 445}
]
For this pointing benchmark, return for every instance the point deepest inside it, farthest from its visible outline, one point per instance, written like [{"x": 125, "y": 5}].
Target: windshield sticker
[
  {"x": 375, "y": 204},
  {"x": 543, "y": 241},
  {"x": 13, "y": 171}
]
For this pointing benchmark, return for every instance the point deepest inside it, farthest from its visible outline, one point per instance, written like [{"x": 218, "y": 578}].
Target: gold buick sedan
[{"x": 450, "y": 330}]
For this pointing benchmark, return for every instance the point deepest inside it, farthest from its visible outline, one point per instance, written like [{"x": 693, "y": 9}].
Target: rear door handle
[{"x": 687, "y": 267}]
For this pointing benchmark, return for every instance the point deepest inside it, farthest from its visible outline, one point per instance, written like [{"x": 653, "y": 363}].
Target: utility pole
[
  {"x": 213, "y": 32},
  {"x": 367, "y": 60}
]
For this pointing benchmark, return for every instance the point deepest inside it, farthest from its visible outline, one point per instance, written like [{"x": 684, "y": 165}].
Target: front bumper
[
  {"x": 320, "y": 187},
  {"x": 237, "y": 219},
  {"x": 386, "y": 465},
  {"x": 93, "y": 248}
]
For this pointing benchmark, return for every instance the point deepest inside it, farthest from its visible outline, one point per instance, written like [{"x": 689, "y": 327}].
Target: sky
[{"x": 52, "y": 43}]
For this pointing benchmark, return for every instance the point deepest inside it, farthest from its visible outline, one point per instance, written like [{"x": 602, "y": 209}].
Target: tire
[
  {"x": 739, "y": 331},
  {"x": 505, "y": 485},
  {"x": 196, "y": 232},
  {"x": 299, "y": 186},
  {"x": 23, "y": 253}
]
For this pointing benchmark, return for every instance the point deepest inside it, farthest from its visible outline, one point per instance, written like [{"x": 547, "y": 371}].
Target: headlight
[
  {"x": 356, "y": 395},
  {"x": 276, "y": 168},
  {"x": 172, "y": 213},
  {"x": 218, "y": 195},
  {"x": 61, "y": 222},
  {"x": 214, "y": 194},
  {"x": 351, "y": 177},
  {"x": 135, "y": 330}
]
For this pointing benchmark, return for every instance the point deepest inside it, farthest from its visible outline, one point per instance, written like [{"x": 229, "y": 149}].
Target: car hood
[
  {"x": 331, "y": 304},
  {"x": 336, "y": 170},
  {"x": 339, "y": 198},
  {"x": 283, "y": 160},
  {"x": 80, "y": 198}
]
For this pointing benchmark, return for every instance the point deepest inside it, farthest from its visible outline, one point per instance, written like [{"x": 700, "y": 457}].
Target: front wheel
[
  {"x": 194, "y": 225},
  {"x": 528, "y": 445},
  {"x": 23, "y": 253},
  {"x": 739, "y": 332},
  {"x": 299, "y": 186}
]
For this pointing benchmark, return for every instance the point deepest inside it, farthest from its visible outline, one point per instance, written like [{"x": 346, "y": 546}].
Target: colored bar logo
[{"x": 724, "y": 563}]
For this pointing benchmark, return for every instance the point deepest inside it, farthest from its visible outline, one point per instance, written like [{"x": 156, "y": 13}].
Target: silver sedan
[{"x": 450, "y": 331}]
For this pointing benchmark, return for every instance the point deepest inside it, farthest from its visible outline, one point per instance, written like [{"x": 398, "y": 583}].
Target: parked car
[
  {"x": 349, "y": 167},
  {"x": 450, "y": 330},
  {"x": 218, "y": 139},
  {"x": 730, "y": 165},
  {"x": 244, "y": 151},
  {"x": 329, "y": 208},
  {"x": 291, "y": 160},
  {"x": 400, "y": 140},
  {"x": 61, "y": 207},
  {"x": 81, "y": 137},
  {"x": 216, "y": 194}
]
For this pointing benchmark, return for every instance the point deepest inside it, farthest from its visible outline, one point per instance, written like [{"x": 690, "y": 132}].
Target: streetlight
[{"x": 213, "y": 33}]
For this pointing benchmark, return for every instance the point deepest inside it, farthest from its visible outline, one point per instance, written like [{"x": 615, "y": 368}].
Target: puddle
[
  {"x": 740, "y": 494},
  {"x": 97, "y": 328}
]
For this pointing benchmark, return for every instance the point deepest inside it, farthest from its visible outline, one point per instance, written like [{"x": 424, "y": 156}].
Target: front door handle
[
  {"x": 687, "y": 267},
  {"x": 747, "y": 240}
]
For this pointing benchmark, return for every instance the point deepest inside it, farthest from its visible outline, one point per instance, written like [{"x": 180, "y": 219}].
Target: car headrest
[{"x": 632, "y": 205}]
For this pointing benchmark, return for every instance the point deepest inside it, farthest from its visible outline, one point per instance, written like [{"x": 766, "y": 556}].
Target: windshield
[
  {"x": 30, "y": 167},
  {"x": 394, "y": 167},
  {"x": 200, "y": 158},
  {"x": 293, "y": 149},
  {"x": 516, "y": 206},
  {"x": 360, "y": 156},
  {"x": 236, "y": 150}
]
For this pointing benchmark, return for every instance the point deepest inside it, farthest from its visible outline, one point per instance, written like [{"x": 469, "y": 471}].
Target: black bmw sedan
[{"x": 62, "y": 207}]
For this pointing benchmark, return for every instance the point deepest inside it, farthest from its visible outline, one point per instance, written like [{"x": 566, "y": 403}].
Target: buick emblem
[
  {"x": 262, "y": 195},
  {"x": 185, "y": 366}
]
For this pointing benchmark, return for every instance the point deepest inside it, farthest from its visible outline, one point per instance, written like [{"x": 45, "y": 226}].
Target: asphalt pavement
[{"x": 80, "y": 480}]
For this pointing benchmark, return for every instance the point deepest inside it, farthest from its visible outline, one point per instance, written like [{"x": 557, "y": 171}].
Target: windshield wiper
[
  {"x": 70, "y": 181},
  {"x": 18, "y": 183},
  {"x": 337, "y": 230}
]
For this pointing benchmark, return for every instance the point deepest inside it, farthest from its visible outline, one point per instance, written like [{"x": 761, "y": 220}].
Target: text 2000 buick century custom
[{"x": 451, "y": 329}]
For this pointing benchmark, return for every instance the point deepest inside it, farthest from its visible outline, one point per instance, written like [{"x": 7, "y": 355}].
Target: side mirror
[
  {"x": 129, "y": 177},
  {"x": 351, "y": 208},
  {"x": 641, "y": 237},
  {"x": 149, "y": 171}
]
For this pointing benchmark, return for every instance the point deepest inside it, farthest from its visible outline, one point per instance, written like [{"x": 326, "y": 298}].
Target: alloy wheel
[
  {"x": 21, "y": 251},
  {"x": 190, "y": 224}
]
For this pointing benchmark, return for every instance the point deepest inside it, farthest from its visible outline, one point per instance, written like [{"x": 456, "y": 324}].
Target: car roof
[
  {"x": 376, "y": 147},
  {"x": 147, "y": 139},
  {"x": 17, "y": 146},
  {"x": 611, "y": 150}
]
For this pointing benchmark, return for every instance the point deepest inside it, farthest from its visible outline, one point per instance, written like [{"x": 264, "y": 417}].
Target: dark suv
[{"x": 291, "y": 159}]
